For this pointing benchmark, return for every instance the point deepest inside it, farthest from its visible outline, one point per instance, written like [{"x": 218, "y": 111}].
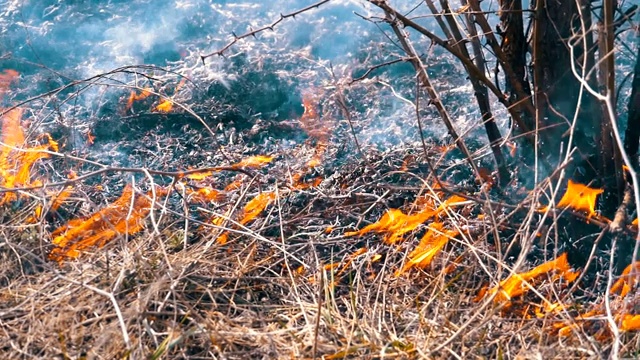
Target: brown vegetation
[{"x": 286, "y": 255}]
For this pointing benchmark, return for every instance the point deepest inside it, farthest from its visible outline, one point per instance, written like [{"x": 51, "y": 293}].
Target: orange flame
[
  {"x": 252, "y": 162},
  {"x": 219, "y": 221},
  {"x": 56, "y": 202},
  {"x": 256, "y": 205},
  {"x": 234, "y": 185},
  {"x": 300, "y": 184},
  {"x": 16, "y": 163},
  {"x": 119, "y": 218},
  {"x": 395, "y": 223},
  {"x": 432, "y": 242},
  {"x": 630, "y": 322},
  {"x": 315, "y": 126},
  {"x": 579, "y": 197},
  {"x": 206, "y": 194},
  {"x": 251, "y": 210},
  {"x": 6, "y": 78},
  {"x": 518, "y": 284},
  {"x": 145, "y": 93},
  {"x": 627, "y": 280},
  {"x": 164, "y": 107},
  {"x": 582, "y": 322},
  {"x": 61, "y": 198}
]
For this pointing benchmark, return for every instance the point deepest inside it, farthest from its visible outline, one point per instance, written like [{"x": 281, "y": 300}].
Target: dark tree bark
[
  {"x": 632, "y": 133},
  {"x": 558, "y": 27},
  {"x": 514, "y": 47},
  {"x": 557, "y": 89}
]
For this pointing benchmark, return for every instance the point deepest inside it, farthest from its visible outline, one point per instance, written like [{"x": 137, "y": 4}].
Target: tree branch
[{"x": 254, "y": 32}]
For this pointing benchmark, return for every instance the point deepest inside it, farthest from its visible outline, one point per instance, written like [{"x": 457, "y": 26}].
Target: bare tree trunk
[
  {"x": 423, "y": 77},
  {"x": 521, "y": 89},
  {"x": 514, "y": 47},
  {"x": 482, "y": 96},
  {"x": 632, "y": 133},
  {"x": 453, "y": 50},
  {"x": 610, "y": 161},
  {"x": 556, "y": 88},
  {"x": 480, "y": 91}
]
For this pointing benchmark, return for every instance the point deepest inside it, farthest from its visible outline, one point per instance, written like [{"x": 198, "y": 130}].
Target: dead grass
[
  {"x": 175, "y": 292},
  {"x": 275, "y": 265}
]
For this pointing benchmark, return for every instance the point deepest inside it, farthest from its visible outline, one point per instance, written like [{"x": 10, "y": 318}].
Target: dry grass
[
  {"x": 288, "y": 282},
  {"x": 267, "y": 292}
]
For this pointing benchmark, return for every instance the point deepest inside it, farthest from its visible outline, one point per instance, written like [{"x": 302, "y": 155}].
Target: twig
[
  {"x": 254, "y": 32},
  {"x": 123, "y": 325},
  {"x": 174, "y": 174},
  {"x": 378, "y": 66},
  {"x": 451, "y": 48}
]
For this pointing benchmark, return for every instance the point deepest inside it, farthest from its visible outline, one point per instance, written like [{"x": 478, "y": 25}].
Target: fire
[
  {"x": 589, "y": 320},
  {"x": 12, "y": 135},
  {"x": 251, "y": 210},
  {"x": 432, "y": 242},
  {"x": 630, "y": 322},
  {"x": 61, "y": 198},
  {"x": 219, "y": 221},
  {"x": 518, "y": 284},
  {"x": 16, "y": 160},
  {"x": 396, "y": 224},
  {"x": 549, "y": 308},
  {"x": 6, "y": 78},
  {"x": 317, "y": 127},
  {"x": 300, "y": 184},
  {"x": 206, "y": 194},
  {"x": 256, "y": 205},
  {"x": 56, "y": 201},
  {"x": 164, "y": 107},
  {"x": 338, "y": 270},
  {"x": 579, "y": 197},
  {"x": 627, "y": 280},
  {"x": 252, "y": 162},
  {"x": 125, "y": 216},
  {"x": 234, "y": 185},
  {"x": 91, "y": 139},
  {"x": 145, "y": 93}
]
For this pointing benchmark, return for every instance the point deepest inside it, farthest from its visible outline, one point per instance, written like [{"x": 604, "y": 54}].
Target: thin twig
[{"x": 254, "y": 32}]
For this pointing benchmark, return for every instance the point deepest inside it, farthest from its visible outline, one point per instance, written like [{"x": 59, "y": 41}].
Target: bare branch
[
  {"x": 254, "y": 32},
  {"x": 468, "y": 63}
]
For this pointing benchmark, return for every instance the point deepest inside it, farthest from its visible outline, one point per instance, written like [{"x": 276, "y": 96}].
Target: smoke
[{"x": 53, "y": 42}]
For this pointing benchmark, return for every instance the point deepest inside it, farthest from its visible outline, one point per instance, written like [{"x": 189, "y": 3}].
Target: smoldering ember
[{"x": 328, "y": 179}]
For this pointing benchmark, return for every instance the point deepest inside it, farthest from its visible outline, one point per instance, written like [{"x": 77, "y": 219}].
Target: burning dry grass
[
  {"x": 289, "y": 289},
  {"x": 293, "y": 263}
]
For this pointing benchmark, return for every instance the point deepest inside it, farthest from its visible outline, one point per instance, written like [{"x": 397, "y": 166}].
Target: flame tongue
[
  {"x": 122, "y": 217},
  {"x": 579, "y": 197},
  {"x": 518, "y": 284},
  {"x": 432, "y": 242},
  {"x": 396, "y": 224}
]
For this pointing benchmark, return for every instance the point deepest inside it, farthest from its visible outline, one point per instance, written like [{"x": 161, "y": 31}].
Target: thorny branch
[{"x": 254, "y": 32}]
